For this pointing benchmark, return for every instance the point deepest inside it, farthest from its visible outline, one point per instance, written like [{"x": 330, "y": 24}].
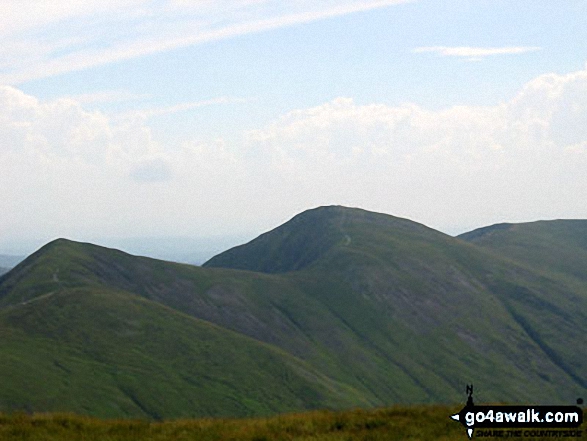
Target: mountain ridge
[
  {"x": 315, "y": 231},
  {"x": 558, "y": 246},
  {"x": 381, "y": 309}
]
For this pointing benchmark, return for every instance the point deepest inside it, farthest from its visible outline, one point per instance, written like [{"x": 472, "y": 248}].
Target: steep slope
[
  {"x": 72, "y": 344},
  {"x": 382, "y": 310},
  {"x": 289, "y": 247},
  {"x": 558, "y": 246},
  {"x": 306, "y": 239},
  {"x": 428, "y": 303}
]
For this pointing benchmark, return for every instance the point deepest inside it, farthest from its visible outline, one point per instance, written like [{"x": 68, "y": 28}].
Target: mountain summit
[
  {"x": 311, "y": 236},
  {"x": 339, "y": 307}
]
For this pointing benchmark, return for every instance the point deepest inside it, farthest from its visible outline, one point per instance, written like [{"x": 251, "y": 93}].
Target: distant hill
[
  {"x": 9, "y": 261},
  {"x": 80, "y": 346},
  {"x": 339, "y": 307},
  {"x": 558, "y": 246}
]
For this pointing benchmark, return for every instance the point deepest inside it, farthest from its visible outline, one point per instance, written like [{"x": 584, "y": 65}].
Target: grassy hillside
[
  {"x": 558, "y": 246},
  {"x": 306, "y": 239},
  {"x": 363, "y": 309},
  {"x": 289, "y": 247},
  {"x": 425, "y": 304},
  {"x": 111, "y": 354}
]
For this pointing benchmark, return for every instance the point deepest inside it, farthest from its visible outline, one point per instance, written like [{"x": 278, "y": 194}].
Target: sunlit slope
[
  {"x": 558, "y": 246},
  {"x": 109, "y": 353},
  {"x": 381, "y": 310},
  {"x": 437, "y": 309}
]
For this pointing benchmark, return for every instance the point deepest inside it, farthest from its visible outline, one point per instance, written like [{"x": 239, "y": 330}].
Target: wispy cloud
[
  {"x": 476, "y": 52},
  {"x": 108, "y": 96},
  {"x": 183, "y": 107},
  {"x": 116, "y": 31}
]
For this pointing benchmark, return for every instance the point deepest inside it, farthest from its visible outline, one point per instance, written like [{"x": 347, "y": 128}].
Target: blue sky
[{"x": 201, "y": 118}]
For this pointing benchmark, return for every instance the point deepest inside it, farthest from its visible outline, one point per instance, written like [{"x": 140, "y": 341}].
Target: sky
[{"x": 136, "y": 118}]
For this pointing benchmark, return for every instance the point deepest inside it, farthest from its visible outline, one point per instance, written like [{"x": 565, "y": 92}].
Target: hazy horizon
[{"x": 183, "y": 249}]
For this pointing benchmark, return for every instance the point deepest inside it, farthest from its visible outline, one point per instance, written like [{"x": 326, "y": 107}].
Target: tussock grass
[{"x": 393, "y": 423}]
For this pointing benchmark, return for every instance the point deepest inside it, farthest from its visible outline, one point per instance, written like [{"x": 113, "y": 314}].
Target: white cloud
[
  {"x": 66, "y": 170},
  {"x": 151, "y": 170},
  {"x": 523, "y": 159},
  {"x": 108, "y": 96},
  {"x": 476, "y": 53},
  {"x": 182, "y": 107},
  {"x": 115, "y": 31},
  {"x": 63, "y": 128}
]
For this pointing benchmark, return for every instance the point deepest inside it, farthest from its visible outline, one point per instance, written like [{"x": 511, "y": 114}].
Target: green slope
[
  {"x": 374, "y": 309},
  {"x": 306, "y": 239},
  {"x": 558, "y": 246},
  {"x": 109, "y": 353},
  {"x": 289, "y": 247},
  {"x": 438, "y": 310}
]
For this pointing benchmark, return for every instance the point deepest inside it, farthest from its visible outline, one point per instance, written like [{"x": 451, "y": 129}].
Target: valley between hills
[{"x": 338, "y": 308}]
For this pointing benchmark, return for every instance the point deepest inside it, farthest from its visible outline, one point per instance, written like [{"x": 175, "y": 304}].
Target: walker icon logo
[{"x": 515, "y": 421}]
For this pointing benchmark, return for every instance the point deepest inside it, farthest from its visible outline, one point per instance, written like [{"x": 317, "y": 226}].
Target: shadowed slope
[
  {"x": 383, "y": 309},
  {"x": 304, "y": 240},
  {"x": 558, "y": 246},
  {"x": 425, "y": 302},
  {"x": 71, "y": 341}
]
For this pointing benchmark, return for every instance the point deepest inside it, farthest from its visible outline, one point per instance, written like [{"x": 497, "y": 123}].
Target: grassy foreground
[{"x": 394, "y": 423}]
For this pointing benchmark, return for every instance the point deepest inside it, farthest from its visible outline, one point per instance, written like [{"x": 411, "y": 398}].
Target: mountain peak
[
  {"x": 289, "y": 247},
  {"x": 310, "y": 236},
  {"x": 61, "y": 263}
]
